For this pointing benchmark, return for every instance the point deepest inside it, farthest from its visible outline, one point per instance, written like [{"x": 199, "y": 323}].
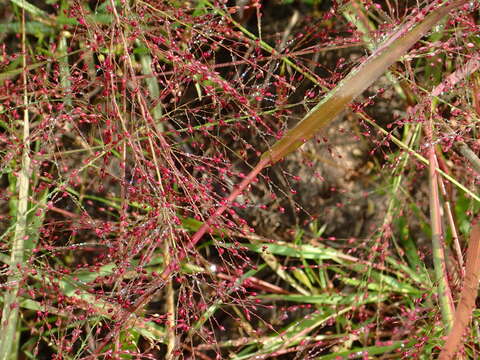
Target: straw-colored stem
[
  {"x": 10, "y": 306},
  {"x": 453, "y": 228},
  {"x": 443, "y": 289},
  {"x": 170, "y": 306}
]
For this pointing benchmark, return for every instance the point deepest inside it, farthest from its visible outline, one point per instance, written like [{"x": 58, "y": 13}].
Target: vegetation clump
[{"x": 239, "y": 179}]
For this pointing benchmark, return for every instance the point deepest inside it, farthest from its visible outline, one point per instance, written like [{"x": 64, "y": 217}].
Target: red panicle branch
[{"x": 153, "y": 288}]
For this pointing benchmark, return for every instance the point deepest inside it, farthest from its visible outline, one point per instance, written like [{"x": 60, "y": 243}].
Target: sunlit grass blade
[
  {"x": 296, "y": 331},
  {"x": 32, "y": 9},
  {"x": 361, "y": 353},
  {"x": 399, "y": 281}
]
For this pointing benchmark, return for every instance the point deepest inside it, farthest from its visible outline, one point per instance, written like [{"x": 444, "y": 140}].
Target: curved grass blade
[{"x": 355, "y": 83}]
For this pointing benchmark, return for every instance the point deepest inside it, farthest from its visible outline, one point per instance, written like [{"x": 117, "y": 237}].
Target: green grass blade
[
  {"x": 362, "y": 353},
  {"x": 321, "y": 299},
  {"x": 32, "y": 9}
]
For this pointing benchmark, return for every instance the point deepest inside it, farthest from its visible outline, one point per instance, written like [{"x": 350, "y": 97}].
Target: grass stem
[
  {"x": 439, "y": 261},
  {"x": 11, "y": 302}
]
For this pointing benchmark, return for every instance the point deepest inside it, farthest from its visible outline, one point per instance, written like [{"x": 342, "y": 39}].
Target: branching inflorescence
[{"x": 235, "y": 179}]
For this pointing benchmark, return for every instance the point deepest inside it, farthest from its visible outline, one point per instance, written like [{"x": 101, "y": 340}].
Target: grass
[
  {"x": 9, "y": 339},
  {"x": 160, "y": 198}
]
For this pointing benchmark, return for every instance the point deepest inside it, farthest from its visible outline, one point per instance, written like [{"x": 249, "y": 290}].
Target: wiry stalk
[
  {"x": 443, "y": 289},
  {"x": 10, "y": 305}
]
